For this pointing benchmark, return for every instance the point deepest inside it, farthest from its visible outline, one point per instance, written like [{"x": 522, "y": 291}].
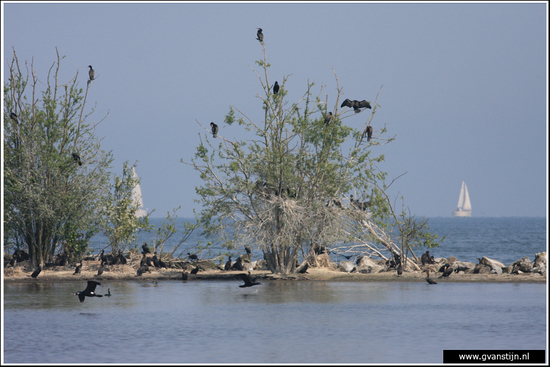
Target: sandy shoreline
[{"x": 313, "y": 274}]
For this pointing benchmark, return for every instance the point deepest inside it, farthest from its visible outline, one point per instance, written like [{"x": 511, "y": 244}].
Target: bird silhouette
[
  {"x": 192, "y": 256},
  {"x": 100, "y": 270},
  {"x": 447, "y": 270},
  {"x": 247, "y": 281},
  {"x": 142, "y": 269},
  {"x": 428, "y": 279},
  {"x": 108, "y": 293},
  {"x": 276, "y": 88},
  {"x": 260, "y": 36},
  {"x": 328, "y": 118},
  {"x": 76, "y": 158},
  {"x": 247, "y": 249},
  {"x": 13, "y": 116},
  {"x": 145, "y": 249},
  {"x": 228, "y": 264},
  {"x": 357, "y": 105},
  {"x": 369, "y": 131},
  {"x": 91, "y": 73},
  {"x": 184, "y": 275},
  {"x": 399, "y": 270},
  {"x": 214, "y": 129},
  {"x": 89, "y": 291},
  {"x": 77, "y": 269},
  {"x": 195, "y": 270},
  {"x": 36, "y": 272}
]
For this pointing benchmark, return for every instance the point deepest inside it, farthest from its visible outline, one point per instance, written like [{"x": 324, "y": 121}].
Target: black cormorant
[
  {"x": 195, "y": 270},
  {"x": 369, "y": 131},
  {"x": 192, "y": 256},
  {"x": 145, "y": 249},
  {"x": 156, "y": 260},
  {"x": 328, "y": 118},
  {"x": 142, "y": 269},
  {"x": 357, "y": 105},
  {"x": 447, "y": 270},
  {"x": 214, "y": 129},
  {"x": 91, "y": 73},
  {"x": 399, "y": 270},
  {"x": 89, "y": 291},
  {"x": 260, "y": 36},
  {"x": 36, "y": 272},
  {"x": 430, "y": 281},
  {"x": 77, "y": 269},
  {"x": 100, "y": 270},
  {"x": 228, "y": 264},
  {"x": 13, "y": 116},
  {"x": 247, "y": 249},
  {"x": 108, "y": 292},
  {"x": 76, "y": 158},
  {"x": 184, "y": 275},
  {"x": 276, "y": 88},
  {"x": 247, "y": 281},
  {"x": 425, "y": 258}
]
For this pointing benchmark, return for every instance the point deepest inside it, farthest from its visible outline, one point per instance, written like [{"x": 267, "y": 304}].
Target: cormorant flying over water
[
  {"x": 247, "y": 281},
  {"x": 89, "y": 291}
]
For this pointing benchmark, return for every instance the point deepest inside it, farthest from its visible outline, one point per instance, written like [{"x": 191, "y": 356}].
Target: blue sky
[{"x": 465, "y": 86}]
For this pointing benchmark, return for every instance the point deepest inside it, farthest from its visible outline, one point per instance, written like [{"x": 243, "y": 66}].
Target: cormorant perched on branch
[
  {"x": 36, "y": 272},
  {"x": 247, "y": 281},
  {"x": 89, "y": 291},
  {"x": 430, "y": 281},
  {"x": 260, "y": 36},
  {"x": 214, "y": 129},
  {"x": 369, "y": 131},
  {"x": 192, "y": 256},
  {"x": 276, "y": 88},
  {"x": 328, "y": 118},
  {"x": 357, "y": 105},
  {"x": 76, "y": 158},
  {"x": 13, "y": 116},
  {"x": 91, "y": 73}
]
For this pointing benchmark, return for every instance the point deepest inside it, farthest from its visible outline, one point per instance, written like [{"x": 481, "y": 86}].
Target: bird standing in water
[
  {"x": 430, "y": 281},
  {"x": 89, "y": 291},
  {"x": 260, "y": 36},
  {"x": 214, "y": 129},
  {"x": 108, "y": 293}
]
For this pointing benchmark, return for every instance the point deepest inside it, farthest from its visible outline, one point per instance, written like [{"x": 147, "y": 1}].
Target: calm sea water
[
  {"x": 285, "y": 321},
  {"x": 275, "y": 322},
  {"x": 504, "y": 239}
]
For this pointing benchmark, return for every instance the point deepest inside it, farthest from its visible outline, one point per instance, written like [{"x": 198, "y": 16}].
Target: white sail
[
  {"x": 136, "y": 196},
  {"x": 467, "y": 205},
  {"x": 464, "y": 207}
]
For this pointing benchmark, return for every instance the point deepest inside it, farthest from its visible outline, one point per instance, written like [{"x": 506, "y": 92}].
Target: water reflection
[{"x": 278, "y": 321}]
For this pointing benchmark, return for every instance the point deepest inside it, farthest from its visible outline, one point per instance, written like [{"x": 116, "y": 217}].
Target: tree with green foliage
[
  {"x": 287, "y": 189},
  {"x": 119, "y": 221},
  {"x": 55, "y": 172}
]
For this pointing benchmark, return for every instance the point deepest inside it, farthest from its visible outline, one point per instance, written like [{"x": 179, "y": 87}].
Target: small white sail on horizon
[
  {"x": 136, "y": 196},
  {"x": 464, "y": 206}
]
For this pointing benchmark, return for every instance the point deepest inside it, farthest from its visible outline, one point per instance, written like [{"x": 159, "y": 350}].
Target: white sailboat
[
  {"x": 464, "y": 207},
  {"x": 136, "y": 196}
]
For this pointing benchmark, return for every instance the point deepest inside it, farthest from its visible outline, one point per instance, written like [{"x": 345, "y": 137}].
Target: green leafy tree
[
  {"x": 54, "y": 169},
  {"x": 119, "y": 222},
  {"x": 287, "y": 189}
]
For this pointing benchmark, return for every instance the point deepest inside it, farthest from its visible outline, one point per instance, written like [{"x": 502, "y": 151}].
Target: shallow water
[{"x": 275, "y": 322}]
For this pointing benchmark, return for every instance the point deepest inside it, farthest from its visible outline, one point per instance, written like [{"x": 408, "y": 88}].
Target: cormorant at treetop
[
  {"x": 276, "y": 88},
  {"x": 89, "y": 291},
  {"x": 260, "y": 36},
  {"x": 214, "y": 129},
  {"x": 369, "y": 131},
  {"x": 328, "y": 118},
  {"x": 357, "y": 105},
  {"x": 91, "y": 73}
]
